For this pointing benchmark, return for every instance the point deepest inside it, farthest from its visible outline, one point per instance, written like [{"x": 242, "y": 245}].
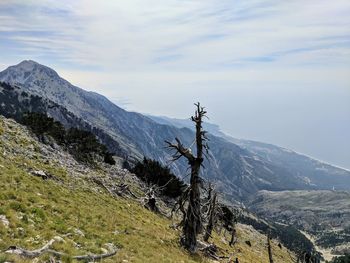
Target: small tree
[{"x": 192, "y": 217}]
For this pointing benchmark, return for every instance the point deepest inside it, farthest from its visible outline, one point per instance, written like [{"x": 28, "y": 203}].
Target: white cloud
[
  {"x": 239, "y": 56},
  {"x": 125, "y": 35}
]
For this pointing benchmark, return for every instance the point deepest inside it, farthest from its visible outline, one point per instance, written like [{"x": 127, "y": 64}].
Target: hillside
[
  {"x": 325, "y": 215},
  {"x": 69, "y": 203},
  {"x": 318, "y": 173},
  {"x": 238, "y": 172}
]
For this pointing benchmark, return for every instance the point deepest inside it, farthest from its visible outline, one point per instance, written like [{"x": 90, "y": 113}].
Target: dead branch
[
  {"x": 180, "y": 204},
  {"x": 122, "y": 191},
  {"x": 211, "y": 216},
  {"x": 31, "y": 253},
  {"x": 125, "y": 189},
  {"x": 210, "y": 251},
  {"x": 46, "y": 249},
  {"x": 181, "y": 151}
]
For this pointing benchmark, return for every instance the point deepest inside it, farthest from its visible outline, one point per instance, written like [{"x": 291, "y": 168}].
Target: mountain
[
  {"x": 238, "y": 172},
  {"x": 317, "y": 173},
  {"x": 16, "y": 103},
  {"x": 213, "y": 129}
]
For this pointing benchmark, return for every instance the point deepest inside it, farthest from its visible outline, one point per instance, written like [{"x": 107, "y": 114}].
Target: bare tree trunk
[
  {"x": 233, "y": 236},
  {"x": 192, "y": 218},
  {"x": 211, "y": 220},
  {"x": 193, "y": 221},
  {"x": 269, "y": 248}
]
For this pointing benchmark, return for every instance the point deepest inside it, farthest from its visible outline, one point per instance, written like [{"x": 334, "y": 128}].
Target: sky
[{"x": 273, "y": 71}]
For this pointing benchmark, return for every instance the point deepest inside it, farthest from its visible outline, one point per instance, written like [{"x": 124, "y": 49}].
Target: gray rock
[{"x": 4, "y": 221}]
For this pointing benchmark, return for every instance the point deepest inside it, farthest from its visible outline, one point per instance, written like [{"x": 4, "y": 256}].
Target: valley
[{"x": 323, "y": 214}]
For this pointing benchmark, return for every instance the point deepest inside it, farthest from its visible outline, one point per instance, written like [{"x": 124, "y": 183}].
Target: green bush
[
  {"x": 17, "y": 207},
  {"x": 83, "y": 145},
  {"x": 152, "y": 172},
  {"x": 38, "y": 213},
  {"x": 3, "y": 258},
  {"x": 41, "y": 125},
  {"x": 25, "y": 219}
]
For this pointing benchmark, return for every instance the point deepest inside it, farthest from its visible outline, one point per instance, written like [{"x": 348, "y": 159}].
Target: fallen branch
[
  {"x": 46, "y": 249},
  {"x": 210, "y": 251},
  {"x": 123, "y": 188}
]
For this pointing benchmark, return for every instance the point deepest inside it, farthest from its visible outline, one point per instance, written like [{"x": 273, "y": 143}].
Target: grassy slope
[{"x": 38, "y": 210}]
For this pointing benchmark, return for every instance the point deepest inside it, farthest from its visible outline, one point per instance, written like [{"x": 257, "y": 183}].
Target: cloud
[
  {"x": 269, "y": 66},
  {"x": 192, "y": 35}
]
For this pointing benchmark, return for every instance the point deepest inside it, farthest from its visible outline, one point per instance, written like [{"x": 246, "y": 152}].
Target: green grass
[{"x": 38, "y": 210}]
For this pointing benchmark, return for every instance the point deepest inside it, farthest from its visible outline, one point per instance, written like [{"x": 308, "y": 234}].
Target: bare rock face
[
  {"x": 79, "y": 232},
  {"x": 4, "y": 221},
  {"x": 40, "y": 173}
]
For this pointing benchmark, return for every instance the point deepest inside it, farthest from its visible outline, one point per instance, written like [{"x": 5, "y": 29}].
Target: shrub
[
  {"x": 41, "y": 125},
  {"x": 17, "y": 207},
  {"x": 83, "y": 145},
  {"x": 3, "y": 258},
  {"x": 38, "y": 213},
  {"x": 108, "y": 158},
  {"x": 152, "y": 172}
]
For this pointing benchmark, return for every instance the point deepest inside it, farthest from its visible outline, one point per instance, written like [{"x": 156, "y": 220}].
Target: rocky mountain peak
[{"x": 26, "y": 71}]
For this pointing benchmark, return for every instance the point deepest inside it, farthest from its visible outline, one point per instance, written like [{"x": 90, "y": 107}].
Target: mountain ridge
[{"x": 262, "y": 149}]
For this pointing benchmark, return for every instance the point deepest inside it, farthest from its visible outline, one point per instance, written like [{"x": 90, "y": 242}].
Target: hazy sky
[{"x": 274, "y": 71}]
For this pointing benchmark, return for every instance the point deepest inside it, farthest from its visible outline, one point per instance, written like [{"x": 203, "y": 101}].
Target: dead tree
[
  {"x": 211, "y": 214},
  {"x": 192, "y": 218},
  {"x": 269, "y": 249}
]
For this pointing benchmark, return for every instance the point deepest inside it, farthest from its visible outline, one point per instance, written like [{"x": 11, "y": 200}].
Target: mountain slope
[
  {"x": 71, "y": 205},
  {"x": 238, "y": 172},
  {"x": 316, "y": 173}
]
